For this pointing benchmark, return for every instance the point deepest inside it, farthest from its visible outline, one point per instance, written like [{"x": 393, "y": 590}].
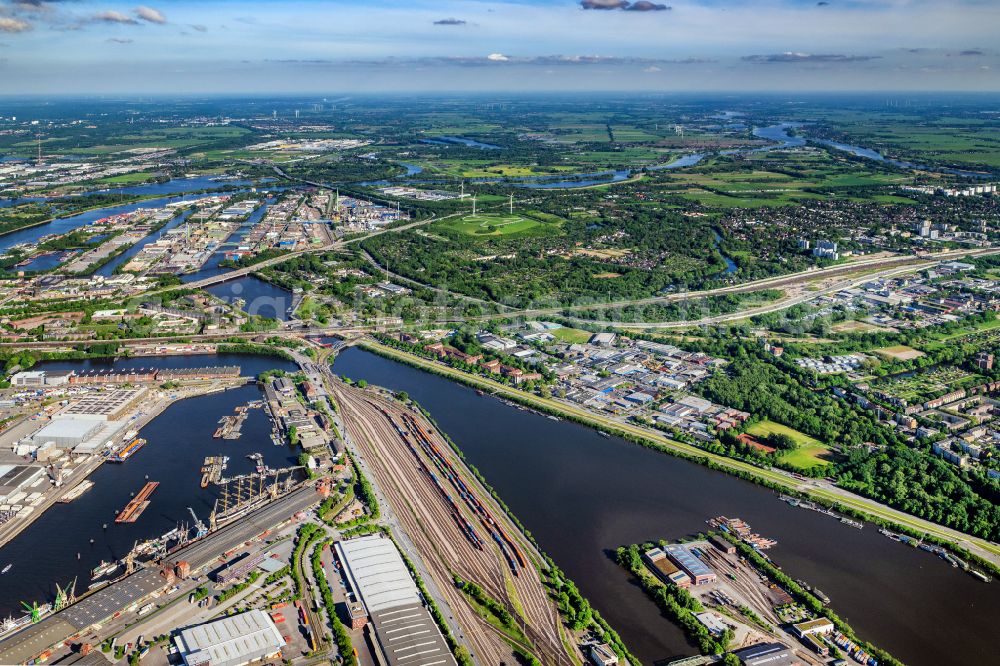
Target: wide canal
[
  {"x": 57, "y": 547},
  {"x": 582, "y": 495}
]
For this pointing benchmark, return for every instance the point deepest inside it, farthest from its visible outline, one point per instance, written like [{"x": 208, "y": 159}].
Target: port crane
[
  {"x": 65, "y": 596},
  {"x": 199, "y": 527},
  {"x": 36, "y": 612}
]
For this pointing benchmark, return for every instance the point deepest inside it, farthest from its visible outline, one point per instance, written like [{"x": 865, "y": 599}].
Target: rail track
[{"x": 454, "y": 523}]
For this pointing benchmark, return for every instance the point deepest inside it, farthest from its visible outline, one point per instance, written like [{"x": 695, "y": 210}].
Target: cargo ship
[
  {"x": 103, "y": 569},
  {"x": 76, "y": 492},
  {"x": 11, "y": 624},
  {"x": 128, "y": 450}
]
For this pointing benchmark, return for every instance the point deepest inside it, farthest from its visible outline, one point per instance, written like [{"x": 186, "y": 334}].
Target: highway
[
  {"x": 898, "y": 266},
  {"x": 775, "y": 306}
]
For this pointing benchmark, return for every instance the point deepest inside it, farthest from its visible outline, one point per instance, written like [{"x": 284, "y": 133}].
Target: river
[
  {"x": 211, "y": 267},
  {"x": 582, "y": 495},
  {"x": 259, "y": 296},
  {"x": 780, "y": 134},
  {"x": 45, "y": 553},
  {"x": 174, "y": 186},
  {"x": 67, "y": 224}
]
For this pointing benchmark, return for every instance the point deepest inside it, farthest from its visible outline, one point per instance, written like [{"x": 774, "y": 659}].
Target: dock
[
  {"x": 231, "y": 426},
  {"x": 138, "y": 504},
  {"x": 743, "y": 531},
  {"x": 806, "y": 504},
  {"x": 76, "y": 492},
  {"x": 212, "y": 469}
]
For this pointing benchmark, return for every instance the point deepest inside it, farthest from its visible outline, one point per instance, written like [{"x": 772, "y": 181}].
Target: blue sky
[{"x": 384, "y": 45}]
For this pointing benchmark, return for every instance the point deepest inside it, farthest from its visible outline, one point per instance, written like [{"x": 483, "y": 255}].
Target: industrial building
[
  {"x": 232, "y": 641},
  {"x": 14, "y": 478},
  {"x": 105, "y": 405},
  {"x": 212, "y": 372},
  {"x": 67, "y": 432},
  {"x": 239, "y": 568},
  {"x": 102, "y": 604},
  {"x": 820, "y": 625},
  {"x": 715, "y": 624},
  {"x": 689, "y": 562},
  {"x": 404, "y": 630},
  {"x": 767, "y": 654},
  {"x": 665, "y": 569},
  {"x": 602, "y": 655},
  {"x": 36, "y": 378},
  {"x": 722, "y": 544}
]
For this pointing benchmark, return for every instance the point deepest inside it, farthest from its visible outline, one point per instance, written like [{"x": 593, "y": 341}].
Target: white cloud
[
  {"x": 13, "y": 25},
  {"x": 149, "y": 14},
  {"x": 111, "y": 16},
  {"x": 497, "y": 57}
]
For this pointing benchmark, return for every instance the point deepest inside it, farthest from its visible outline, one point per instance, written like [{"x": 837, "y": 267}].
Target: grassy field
[
  {"x": 810, "y": 452},
  {"x": 853, "y": 326},
  {"x": 126, "y": 179},
  {"x": 496, "y": 224},
  {"x": 899, "y": 353},
  {"x": 571, "y": 335}
]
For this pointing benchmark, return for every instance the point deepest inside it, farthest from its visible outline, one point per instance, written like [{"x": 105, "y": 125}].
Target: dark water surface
[
  {"x": 45, "y": 554},
  {"x": 259, "y": 296},
  {"x": 582, "y": 495}
]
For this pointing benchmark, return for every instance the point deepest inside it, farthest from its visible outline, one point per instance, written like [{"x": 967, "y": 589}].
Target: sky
[{"x": 353, "y": 46}]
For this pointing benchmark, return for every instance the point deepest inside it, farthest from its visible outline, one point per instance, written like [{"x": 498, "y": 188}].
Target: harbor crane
[
  {"x": 36, "y": 612},
  {"x": 199, "y": 527}
]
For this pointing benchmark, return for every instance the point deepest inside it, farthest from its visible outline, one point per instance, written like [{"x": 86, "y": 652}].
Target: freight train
[{"x": 414, "y": 431}]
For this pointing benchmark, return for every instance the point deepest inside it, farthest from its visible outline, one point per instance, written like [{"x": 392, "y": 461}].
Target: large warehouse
[
  {"x": 406, "y": 632},
  {"x": 232, "y": 641},
  {"x": 689, "y": 562},
  {"x": 67, "y": 432}
]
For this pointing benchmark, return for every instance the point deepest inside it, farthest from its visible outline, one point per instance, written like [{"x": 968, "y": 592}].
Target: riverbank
[
  {"x": 581, "y": 495},
  {"x": 984, "y": 552}
]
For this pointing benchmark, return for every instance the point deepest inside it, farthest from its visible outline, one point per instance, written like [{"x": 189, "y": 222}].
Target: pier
[
  {"x": 211, "y": 471},
  {"x": 138, "y": 504}
]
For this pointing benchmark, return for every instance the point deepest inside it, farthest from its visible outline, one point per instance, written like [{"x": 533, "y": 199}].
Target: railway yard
[{"x": 456, "y": 527}]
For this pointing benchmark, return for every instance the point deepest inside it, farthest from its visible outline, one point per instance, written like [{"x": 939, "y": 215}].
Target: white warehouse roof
[
  {"x": 64, "y": 431},
  {"x": 232, "y": 641},
  {"x": 376, "y": 570}
]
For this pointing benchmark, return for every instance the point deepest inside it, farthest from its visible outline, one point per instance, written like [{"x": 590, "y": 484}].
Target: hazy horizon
[{"x": 308, "y": 46}]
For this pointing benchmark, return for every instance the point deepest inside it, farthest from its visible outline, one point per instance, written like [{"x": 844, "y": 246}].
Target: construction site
[{"x": 456, "y": 527}]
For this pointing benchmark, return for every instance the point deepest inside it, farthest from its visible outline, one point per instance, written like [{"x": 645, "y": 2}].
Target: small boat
[{"x": 6, "y": 569}]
